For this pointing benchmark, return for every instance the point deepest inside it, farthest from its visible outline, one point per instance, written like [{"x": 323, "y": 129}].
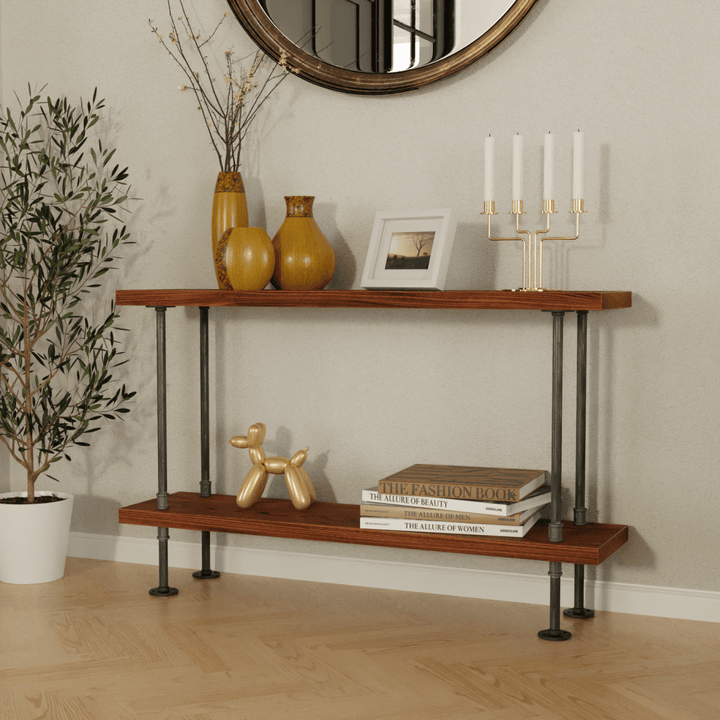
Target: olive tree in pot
[{"x": 60, "y": 194}]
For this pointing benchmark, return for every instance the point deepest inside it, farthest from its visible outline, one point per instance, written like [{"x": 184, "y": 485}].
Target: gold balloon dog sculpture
[{"x": 299, "y": 485}]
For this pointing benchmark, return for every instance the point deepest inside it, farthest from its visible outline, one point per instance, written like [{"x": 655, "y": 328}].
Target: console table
[{"x": 577, "y": 542}]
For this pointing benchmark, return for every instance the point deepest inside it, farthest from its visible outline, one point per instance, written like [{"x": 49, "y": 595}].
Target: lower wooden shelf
[{"x": 589, "y": 544}]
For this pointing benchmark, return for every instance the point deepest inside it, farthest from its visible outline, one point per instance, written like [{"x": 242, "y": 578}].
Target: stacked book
[{"x": 457, "y": 500}]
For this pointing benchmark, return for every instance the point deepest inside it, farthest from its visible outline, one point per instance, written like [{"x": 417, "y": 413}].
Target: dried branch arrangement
[{"x": 229, "y": 105}]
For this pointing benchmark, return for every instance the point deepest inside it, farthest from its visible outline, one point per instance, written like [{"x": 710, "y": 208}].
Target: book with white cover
[
  {"x": 409, "y": 512},
  {"x": 537, "y": 499},
  {"x": 478, "y": 529}
]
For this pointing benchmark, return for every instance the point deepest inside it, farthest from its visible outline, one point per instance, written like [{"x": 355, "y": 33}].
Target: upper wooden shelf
[
  {"x": 560, "y": 300},
  {"x": 590, "y": 544}
]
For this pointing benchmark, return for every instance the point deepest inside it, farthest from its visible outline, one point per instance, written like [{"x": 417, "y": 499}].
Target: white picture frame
[{"x": 410, "y": 249}]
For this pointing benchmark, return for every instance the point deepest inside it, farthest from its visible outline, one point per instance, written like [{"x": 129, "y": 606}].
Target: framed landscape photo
[{"x": 410, "y": 249}]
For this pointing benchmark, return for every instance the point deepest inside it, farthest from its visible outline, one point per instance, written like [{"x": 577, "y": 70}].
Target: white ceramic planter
[{"x": 34, "y": 539}]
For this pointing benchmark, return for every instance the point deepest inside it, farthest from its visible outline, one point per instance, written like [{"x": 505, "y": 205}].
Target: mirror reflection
[{"x": 383, "y": 36}]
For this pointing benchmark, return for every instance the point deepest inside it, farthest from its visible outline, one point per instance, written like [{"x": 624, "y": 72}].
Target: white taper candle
[
  {"x": 489, "y": 168},
  {"x": 578, "y": 165},
  {"x": 517, "y": 175},
  {"x": 548, "y": 168}
]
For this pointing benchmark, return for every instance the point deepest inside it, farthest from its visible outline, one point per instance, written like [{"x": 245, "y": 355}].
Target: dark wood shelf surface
[
  {"x": 421, "y": 299},
  {"x": 590, "y": 544}
]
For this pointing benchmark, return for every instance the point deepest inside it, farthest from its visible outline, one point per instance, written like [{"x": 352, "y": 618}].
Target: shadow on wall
[
  {"x": 600, "y": 461},
  {"x": 636, "y": 553},
  {"x": 257, "y": 217},
  {"x": 473, "y": 263},
  {"x": 345, "y": 261},
  {"x": 282, "y": 444},
  {"x": 315, "y": 466},
  {"x": 602, "y": 360},
  {"x": 4, "y": 470},
  {"x": 98, "y": 513},
  {"x": 324, "y": 214}
]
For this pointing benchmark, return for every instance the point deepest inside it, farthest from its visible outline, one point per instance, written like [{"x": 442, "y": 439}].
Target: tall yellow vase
[
  {"x": 229, "y": 209},
  {"x": 304, "y": 259}
]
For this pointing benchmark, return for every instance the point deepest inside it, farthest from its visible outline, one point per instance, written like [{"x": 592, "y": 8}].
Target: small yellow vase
[
  {"x": 244, "y": 259},
  {"x": 229, "y": 208},
  {"x": 304, "y": 259}
]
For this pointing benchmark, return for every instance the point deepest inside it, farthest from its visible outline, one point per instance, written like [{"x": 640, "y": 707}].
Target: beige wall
[{"x": 639, "y": 78}]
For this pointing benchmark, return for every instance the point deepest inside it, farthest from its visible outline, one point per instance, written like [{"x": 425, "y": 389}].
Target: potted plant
[{"x": 60, "y": 195}]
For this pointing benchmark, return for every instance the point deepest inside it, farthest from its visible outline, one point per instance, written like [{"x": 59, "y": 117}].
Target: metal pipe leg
[
  {"x": 580, "y": 511},
  {"x": 579, "y": 611},
  {"x": 205, "y": 484},
  {"x": 163, "y": 588},
  {"x": 554, "y": 632},
  {"x": 206, "y": 573},
  {"x": 162, "y": 493},
  {"x": 555, "y": 528}
]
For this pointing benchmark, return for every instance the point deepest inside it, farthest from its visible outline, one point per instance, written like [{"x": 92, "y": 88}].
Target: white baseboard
[{"x": 480, "y": 584}]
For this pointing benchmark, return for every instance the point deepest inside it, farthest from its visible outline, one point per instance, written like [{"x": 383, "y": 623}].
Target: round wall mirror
[{"x": 378, "y": 47}]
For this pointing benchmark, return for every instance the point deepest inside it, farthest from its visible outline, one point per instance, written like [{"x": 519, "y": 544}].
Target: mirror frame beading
[{"x": 266, "y": 36}]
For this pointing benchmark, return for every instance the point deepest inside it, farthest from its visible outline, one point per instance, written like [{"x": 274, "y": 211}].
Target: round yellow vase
[
  {"x": 304, "y": 259},
  {"x": 244, "y": 259},
  {"x": 229, "y": 208}
]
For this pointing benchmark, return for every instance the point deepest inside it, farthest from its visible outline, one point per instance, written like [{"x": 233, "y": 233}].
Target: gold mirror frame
[{"x": 267, "y": 36}]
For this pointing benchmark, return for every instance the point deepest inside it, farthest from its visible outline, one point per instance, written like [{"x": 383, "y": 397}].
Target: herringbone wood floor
[{"x": 96, "y": 645}]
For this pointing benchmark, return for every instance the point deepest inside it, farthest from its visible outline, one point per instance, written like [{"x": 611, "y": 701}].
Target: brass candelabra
[{"x": 532, "y": 250}]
